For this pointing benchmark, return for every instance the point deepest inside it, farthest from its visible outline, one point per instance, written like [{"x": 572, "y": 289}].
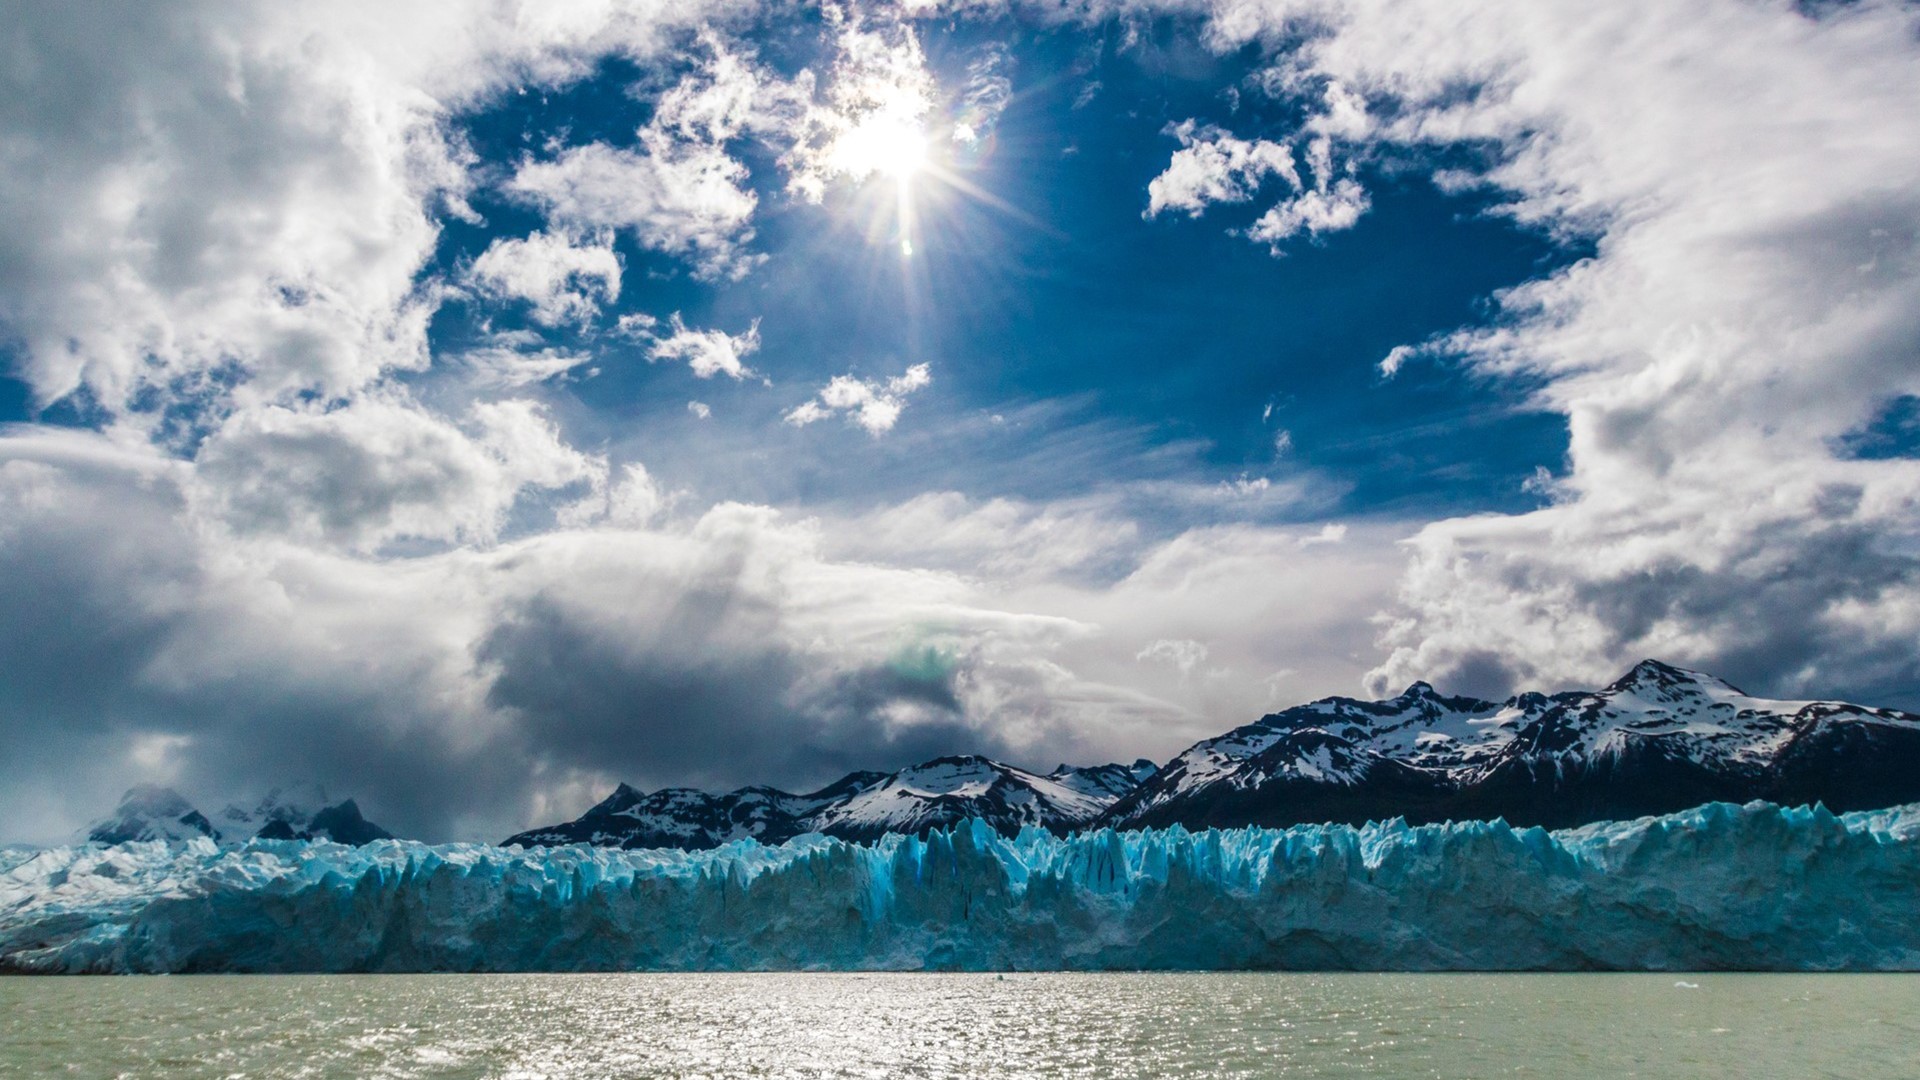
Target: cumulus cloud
[
  {"x": 565, "y": 279},
  {"x": 873, "y": 405},
  {"x": 226, "y": 201},
  {"x": 1321, "y": 210},
  {"x": 381, "y": 470},
  {"x": 1744, "y": 174},
  {"x": 730, "y": 95},
  {"x": 1212, "y": 166},
  {"x": 678, "y": 188},
  {"x": 257, "y": 188},
  {"x": 682, "y": 199}
]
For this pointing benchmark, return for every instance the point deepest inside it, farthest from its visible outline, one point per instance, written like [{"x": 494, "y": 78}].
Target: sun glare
[{"x": 889, "y": 141}]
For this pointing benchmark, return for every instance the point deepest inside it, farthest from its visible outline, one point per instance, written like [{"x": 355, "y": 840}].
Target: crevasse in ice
[{"x": 1720, "y": 886}]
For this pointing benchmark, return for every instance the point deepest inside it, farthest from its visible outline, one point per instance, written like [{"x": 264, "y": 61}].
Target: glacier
[{"x": 1718, "y": 887}]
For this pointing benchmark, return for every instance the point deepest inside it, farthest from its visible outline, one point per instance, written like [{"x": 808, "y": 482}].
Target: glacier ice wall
[{"x": 1717, "y": 887}]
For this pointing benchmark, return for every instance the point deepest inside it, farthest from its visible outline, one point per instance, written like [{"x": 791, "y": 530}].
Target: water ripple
[{"x": 563, "y": 1027}]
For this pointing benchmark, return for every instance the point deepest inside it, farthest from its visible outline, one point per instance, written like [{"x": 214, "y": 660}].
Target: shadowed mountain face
[{"x": 1658, "y": 740}]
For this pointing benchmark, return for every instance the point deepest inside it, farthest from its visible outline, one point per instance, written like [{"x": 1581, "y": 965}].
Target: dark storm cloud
[
  {"x": 714, "y": 697},
  {"x": 458, "y": 695},
  {"x": 124, "y": 655}
]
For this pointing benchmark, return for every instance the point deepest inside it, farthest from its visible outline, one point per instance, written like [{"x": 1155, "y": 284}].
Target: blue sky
[
  {"x": 470, "y": 409},
  {"x": 1177, "y": 348}
]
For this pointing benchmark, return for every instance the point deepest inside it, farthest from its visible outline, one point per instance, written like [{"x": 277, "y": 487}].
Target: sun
[{"x": 887, "y": 140}]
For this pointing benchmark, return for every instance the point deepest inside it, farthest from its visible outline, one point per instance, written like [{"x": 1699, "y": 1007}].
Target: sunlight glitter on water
[{"x": 561, "y": 1027}]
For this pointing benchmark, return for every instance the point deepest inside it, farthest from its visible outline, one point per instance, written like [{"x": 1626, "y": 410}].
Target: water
[{"x": 1275, "y": 1025}]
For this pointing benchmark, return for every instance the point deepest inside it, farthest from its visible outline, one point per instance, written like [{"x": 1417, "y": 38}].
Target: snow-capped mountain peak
[
  {"x": 1655, "y": 678},
  {"x": 150, "y": 812},
  {"x": 1111, "y": 780},
  {"x": 292, "y": 807},
  {"x": 862, "y": 805},
  {"x": 1659, "y": 738}
]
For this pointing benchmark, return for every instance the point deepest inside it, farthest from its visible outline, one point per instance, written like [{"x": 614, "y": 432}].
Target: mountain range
[
  {"x": 860, "y": 806},
  {"x": 151, "y": 812},
  {"x": 1659, "y": 739}
]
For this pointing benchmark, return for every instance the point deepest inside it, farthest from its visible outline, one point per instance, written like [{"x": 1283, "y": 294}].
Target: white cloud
[
  {"x": 636, "y": 499},
  {"x": 1182, "y": 654},
  {"x": 1397, "y": 358},
  {"x": 257, "y": 188},
  {"x": 879, "y": 96},
  {"x": 1003, "y": 539},
  {"x": 873, "y": 405},
  {"x": 381, "y": 470},
  {"x": 1314, "y": 212},
  {"x": 987, "y": 93},
  {"x": 565, "y": 279},
  {"x": 700, "y": 409},
  {"x": 707, "y": 352},
  {"x": 1245, "y": 486},
  {"x": 1744, "y": 174},
  {"x": 731, "y": 95},
  {"x": 225, "y": 202},
  {"x": 678, "y": 188},
  {"x": 1212, "y": 166},
  {"x": 678, "y": 198},
  {"x": 507, "y": 366}
]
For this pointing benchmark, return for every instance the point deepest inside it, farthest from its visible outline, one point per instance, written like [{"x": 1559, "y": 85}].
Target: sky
[{"x": 469, "y": 407}]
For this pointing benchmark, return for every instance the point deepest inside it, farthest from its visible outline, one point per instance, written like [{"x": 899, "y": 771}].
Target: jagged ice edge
[{"x": 1719, "y": 886}]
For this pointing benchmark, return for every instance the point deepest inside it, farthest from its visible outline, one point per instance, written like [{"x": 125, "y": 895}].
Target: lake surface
[{"x": 1068, "y": 1025}]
